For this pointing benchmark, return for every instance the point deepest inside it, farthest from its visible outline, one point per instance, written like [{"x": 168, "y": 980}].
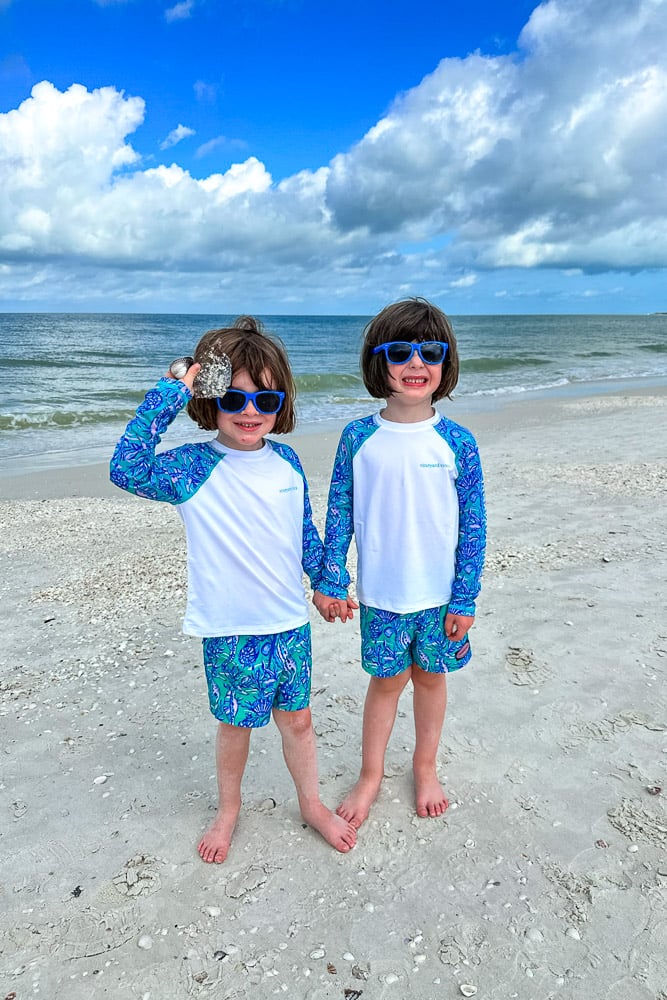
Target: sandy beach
[{"x": 547, "y": 876}]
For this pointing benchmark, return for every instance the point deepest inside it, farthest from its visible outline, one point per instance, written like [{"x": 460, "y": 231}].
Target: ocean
[{"x": 71, "y": 381}]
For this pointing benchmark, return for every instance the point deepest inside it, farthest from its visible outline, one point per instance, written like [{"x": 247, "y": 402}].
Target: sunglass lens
[
  {"x": 398, "y": 353},
  {"x": 432, "y": 353},
  {"x": 233, "y": 401},
  {"x": 268, "y": 402}
]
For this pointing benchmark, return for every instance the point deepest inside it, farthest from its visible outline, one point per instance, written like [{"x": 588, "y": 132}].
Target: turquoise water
[{"x": 71, "y": 381}]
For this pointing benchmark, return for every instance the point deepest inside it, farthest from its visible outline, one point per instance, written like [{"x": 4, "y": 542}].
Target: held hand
[
  {"x": 333, "y": 607},
  {"x": 189, "y": 377},
  {"x": 456, "y": 626}
]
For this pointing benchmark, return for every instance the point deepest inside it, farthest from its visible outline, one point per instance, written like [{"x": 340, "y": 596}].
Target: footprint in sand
[
  {"x": 523, "y": 669},
  {"x": 635, "y": 822}
]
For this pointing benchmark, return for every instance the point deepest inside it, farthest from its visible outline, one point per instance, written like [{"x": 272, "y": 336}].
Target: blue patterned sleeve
[
  {"x": 313, "y": 550},
  {"x": 472, "y": 527},
  {"x": 340, "y": 521},
  {"x": 134, "y": 466}
]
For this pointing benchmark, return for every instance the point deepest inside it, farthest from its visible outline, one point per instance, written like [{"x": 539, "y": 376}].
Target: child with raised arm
[
  {"x": 250, "y": 535},
  {"x": 407, "y": 482}
]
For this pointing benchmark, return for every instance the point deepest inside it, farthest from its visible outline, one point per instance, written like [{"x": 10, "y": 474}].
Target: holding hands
[{"x": 334, "y": 607}]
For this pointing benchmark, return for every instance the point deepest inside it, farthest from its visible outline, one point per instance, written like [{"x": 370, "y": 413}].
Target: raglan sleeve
[
  {"x": 340, "y": 522},
  {"x": 135, "y": 466},
  {"x": 471, "y": 546}
]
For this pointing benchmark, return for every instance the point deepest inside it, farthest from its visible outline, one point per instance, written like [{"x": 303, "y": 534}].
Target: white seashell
[
  {"x": 573, "y": 933},
  {"x": 467, "y": 990},
  {"x": 318, "y": 953},
  {"x": 633, "y": 848},
  {"x": 348, "y": 957},
  {"x": 100, "y": 779},
  {"x": 391, "y": 978},
  {"x": 145, "y": 942},
  {"x": 179, "y": 367},
  {"x": 213, "y": 911}
]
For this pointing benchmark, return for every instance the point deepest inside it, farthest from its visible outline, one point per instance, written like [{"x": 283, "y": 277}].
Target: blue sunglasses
[
  {"x": 399, "y": 352},
  {"x": 265, "y": 401}
]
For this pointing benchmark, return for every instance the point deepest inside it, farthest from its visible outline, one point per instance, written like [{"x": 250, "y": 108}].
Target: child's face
[
  {"x": 245, "y": 430},
  {"x": 414, "y": 382}
]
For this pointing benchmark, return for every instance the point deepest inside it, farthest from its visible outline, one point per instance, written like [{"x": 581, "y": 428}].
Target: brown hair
[
  {"x": 264, "y": 358},
  {"x": 412, "y": 320}
]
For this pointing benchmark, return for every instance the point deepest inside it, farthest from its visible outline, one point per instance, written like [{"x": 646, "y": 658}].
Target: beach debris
[
  {"x": 145, "y": 942},
  {"x": 390, "y": 978},
  {"x": 654, "y": 789},
  {"x": 331, "y": 969},
  {"x": 361, "y": 972},
  {"x": 573, "y": 933},
  {"x": 352, "y": 994},
  {"x": 213, "y": 911},
  {"x": 76, "y": 891},
  {"x": 220, "y": 955},
  {"x": 19, "y": 808},
  {"x": 100, "y": 779},
  {"x": 468, "y": 990},
  {"x": 601, "y": 843},
  {"x": 317, "y": 953}
]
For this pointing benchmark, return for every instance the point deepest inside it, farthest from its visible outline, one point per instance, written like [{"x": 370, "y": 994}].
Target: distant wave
[
  {"x": 508, "y": 390},
  {"x": 488, "y": 365},
  {"x": 659, "y": 348},
  {"x": 57, "y": 419},
  {"x": 326, "y": 382}
]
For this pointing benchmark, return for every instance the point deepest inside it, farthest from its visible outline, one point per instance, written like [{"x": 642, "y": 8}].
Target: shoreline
[{"x": 481, "y": 414}]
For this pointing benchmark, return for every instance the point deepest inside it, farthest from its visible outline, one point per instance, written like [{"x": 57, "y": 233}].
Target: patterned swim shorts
[
  {"x": 391, "y": 642},
  {"x": 248, "y": 675}
]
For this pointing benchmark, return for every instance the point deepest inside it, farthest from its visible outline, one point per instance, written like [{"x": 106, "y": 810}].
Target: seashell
[
  {"x": 468, "y": 990},
  {"x": 215, "y": 376},
  {"x": 179, "y": 367}
]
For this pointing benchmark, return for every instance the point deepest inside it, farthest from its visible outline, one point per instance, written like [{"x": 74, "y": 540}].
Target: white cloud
[
  {"x": 179, "y": 12},
  {"x": 177, "y": 135},
  {"x": 550, "y": 159}
]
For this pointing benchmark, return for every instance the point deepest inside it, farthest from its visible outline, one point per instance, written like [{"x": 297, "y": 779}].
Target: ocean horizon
[{"x": 73, "y": 380}]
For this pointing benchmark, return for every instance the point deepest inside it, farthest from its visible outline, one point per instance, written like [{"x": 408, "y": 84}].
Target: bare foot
[
  {"x": 356, "y": 806},
  {"x": 431, "y": 800},
  {"x": 214, "y": 845},
  {"x": 335, "y": 830}
]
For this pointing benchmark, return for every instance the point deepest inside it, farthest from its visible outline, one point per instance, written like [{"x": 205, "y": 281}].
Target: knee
[
  {"x": 294, "y": 724},
  {"x": 427, "y": 681}
]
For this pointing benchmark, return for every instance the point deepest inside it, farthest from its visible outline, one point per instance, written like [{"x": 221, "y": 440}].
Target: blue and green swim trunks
[
  {"x": 391, "y": 642},
  {"x": 249, "y": 675}
]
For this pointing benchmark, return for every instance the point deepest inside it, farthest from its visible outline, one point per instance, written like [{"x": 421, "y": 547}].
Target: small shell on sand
[{"x": 468, "y": 990}]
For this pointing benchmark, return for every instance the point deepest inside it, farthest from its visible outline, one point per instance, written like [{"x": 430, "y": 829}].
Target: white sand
[{"x": 547, "y": 877}]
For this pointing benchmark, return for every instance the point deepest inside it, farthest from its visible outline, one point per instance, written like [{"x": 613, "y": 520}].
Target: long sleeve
[
  {"x": 340, "y": 521},
  {"x": 472, "y": 529},
  {"x": 313, "y": 550},
  {"x": 171, "y": 476}
]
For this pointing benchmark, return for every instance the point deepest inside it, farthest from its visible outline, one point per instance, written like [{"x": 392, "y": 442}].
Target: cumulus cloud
[
  {"x": 550, "y": 158},
  {"x": 176, "y": 135},
  {"x": 554, "y": 156}
]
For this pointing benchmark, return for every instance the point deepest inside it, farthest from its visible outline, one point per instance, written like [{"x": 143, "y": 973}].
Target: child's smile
[{"x": 245, "y": 430}]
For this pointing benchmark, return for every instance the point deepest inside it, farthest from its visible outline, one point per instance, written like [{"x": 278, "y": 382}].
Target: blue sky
[{"x": 304, "y": 157}]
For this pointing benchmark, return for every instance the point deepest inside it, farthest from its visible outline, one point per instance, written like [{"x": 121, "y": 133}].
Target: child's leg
[
  {"x": 231, "y": 754},
  {"x": 429, "y": 704},
  {"x": 379, "y": 716},
  {"x": 299, "y": 750}
]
